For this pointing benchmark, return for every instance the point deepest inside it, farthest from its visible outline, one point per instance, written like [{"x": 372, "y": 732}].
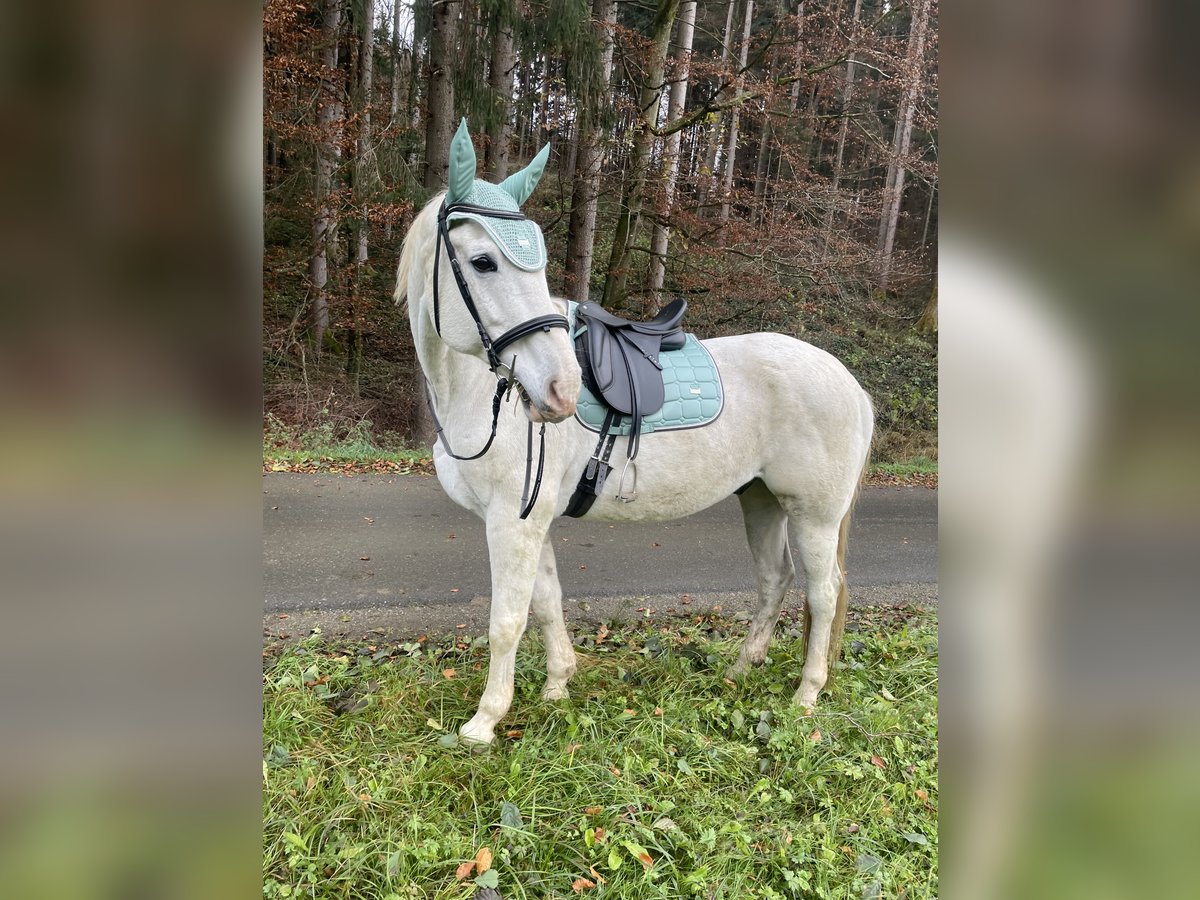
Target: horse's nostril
[{"x": 560, "y": 398}]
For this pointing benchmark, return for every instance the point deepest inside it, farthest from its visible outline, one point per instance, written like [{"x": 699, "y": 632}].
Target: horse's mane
[{"x": 417, "y": 245}]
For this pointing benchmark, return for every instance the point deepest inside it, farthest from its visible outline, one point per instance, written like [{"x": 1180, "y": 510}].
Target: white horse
[{"x": 795, "y": 432}]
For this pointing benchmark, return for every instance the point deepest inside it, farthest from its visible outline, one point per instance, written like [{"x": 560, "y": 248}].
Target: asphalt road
[{"x": 394, "y": 552}]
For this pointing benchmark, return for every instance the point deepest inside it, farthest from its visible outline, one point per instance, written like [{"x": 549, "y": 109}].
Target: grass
[
  {"x": 917, "y": 465},
  {"x": 658, "y": 779},
  {"x": 363, "y": 448},
  {"x": 359, "y": 447}
]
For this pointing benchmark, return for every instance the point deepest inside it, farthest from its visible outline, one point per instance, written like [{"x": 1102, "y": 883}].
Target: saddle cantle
[{"x": 627, "y": 383}]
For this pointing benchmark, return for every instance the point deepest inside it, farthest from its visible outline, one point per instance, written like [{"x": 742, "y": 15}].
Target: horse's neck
[{"x": 456, "y": 381}]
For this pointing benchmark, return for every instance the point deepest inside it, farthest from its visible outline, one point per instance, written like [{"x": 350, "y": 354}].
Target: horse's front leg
[
  {"x": 548, "y": 610},
  {"x": 514, "y": 548}
]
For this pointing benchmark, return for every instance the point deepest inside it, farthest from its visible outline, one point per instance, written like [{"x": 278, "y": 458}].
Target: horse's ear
[
  {"x": 521, "y": 185},
  {"x": 462, "y": 164}
]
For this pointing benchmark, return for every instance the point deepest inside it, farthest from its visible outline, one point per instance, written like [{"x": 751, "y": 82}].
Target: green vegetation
[
  {"x": 919, "y": 465},
  {"x": 658, "y": 779},
  {"x": 327, "y": 447}
]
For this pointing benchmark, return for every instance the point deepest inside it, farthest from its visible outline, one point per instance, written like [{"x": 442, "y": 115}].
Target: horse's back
[
  {"x": 792, "y": 367},
  {"x": 813, "y": 420}
]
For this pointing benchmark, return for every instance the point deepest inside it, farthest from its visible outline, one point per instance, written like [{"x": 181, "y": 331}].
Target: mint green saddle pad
[{"x": 692, "y": 384}]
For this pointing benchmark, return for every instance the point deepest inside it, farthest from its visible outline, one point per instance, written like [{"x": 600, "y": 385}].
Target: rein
[{"x": 493, "y": 348}]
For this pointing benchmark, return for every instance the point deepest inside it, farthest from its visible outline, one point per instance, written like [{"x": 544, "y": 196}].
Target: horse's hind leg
[
  {"x": 767, "y": 531},
  {"x": 548, "y": 609},
  {"x": 819, "y": 554}
]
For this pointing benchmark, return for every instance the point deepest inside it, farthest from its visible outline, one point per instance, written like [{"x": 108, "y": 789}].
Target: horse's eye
[{"x": 484, "y": 263}]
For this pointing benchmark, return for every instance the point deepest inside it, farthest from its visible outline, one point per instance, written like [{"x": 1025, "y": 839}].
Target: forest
[{"x": 774, "y": 163}]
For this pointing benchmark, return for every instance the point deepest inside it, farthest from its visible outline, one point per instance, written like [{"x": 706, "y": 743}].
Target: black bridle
[{"x": 493, "y": 348}]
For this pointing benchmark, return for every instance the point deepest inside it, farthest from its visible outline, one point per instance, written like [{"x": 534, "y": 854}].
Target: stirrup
[{"x": 621, "y": 484}]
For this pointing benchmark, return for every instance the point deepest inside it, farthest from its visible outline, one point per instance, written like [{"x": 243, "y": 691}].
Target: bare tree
[
  {"x": 500, "y": 79},
  {"x": 679, "y": 88},
  {"x": 439, "y": 122},
  {"x": 330, "y": 115},
  {"x": 709, "y": 172},
  {"x": 731, "y": 141},
  {"x": 633, "y": 193},
  {"x": 847, "y": 94},
  {"x": 581, "y": 232},
  {"x": 362, "y": 159},
  {"x": 397, "y": 58},
  {"x": 894, "y": 190}
]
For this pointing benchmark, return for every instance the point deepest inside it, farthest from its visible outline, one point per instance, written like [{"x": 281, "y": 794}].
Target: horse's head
[{"x": 501, "y": 259}]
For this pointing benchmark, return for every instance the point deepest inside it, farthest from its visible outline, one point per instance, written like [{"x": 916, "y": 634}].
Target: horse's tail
[{"x": 843, "y": 598}]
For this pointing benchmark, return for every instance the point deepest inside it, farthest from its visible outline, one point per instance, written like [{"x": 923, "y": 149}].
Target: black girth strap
[
  {"x": 493, "y": 349},
  {"x": 591, "y": 482}
]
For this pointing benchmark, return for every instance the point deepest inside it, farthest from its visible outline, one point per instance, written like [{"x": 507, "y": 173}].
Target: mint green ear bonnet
[{"x": 519, "y": 239}]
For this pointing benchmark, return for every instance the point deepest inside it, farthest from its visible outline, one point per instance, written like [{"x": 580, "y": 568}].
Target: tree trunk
[
  {"x": 764, "y": 154},
  {"x": 362, "y": 180},
  {"x": 328, "y": 152},
  {"x": 894, "y": 193},
  {"x": 500, "y": 79},
  {"x": 615, "y": 284},
  {"x": 581, "y": 231},
  {"x": 440, "y": 123},
  {"x": 397, "y": 58},
  {"x": 679, "y": 88},
  {"x": 708, "y": 181},
  {"x": 731, "y": 144},
  {"x": 928, "y": 323},
  {"x": 847, "y": 94},
  {"x": 362, "y": 161}
]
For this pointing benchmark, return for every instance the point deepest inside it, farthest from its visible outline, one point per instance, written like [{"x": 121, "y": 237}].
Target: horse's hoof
[
  {"x": 554, "y": 692},
  {"x": 805, "y": 699},
  {"x": 472, "y": 733},
  {"x": 736, "y": 672}
]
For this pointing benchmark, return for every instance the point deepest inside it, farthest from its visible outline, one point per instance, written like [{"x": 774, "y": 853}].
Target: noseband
[{"x": 493, "y": 348}]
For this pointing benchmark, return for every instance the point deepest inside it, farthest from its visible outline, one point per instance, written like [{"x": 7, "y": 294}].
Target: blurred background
[{"x": 139, "y": 302}]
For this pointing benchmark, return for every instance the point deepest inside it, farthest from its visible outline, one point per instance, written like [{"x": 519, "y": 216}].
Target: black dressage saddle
[{"x": 620, "y": 365}]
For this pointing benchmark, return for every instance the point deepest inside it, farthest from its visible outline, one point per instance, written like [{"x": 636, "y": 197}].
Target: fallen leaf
[
  {"x": 658, "y": 710},
  {"x": 364, "y": 558},
  {"x": 600, "y": 878},
  {"x": 454, "y": 591},
  {"x": 631, "y": 712},
  {"x": 878, "y": 761},
  {"x": 464, "y": 870},
  {"x": 815, "y": 736},
  {"x": 448, "y": 673},
  {"x": 514, "y": 734},
  {"x": 483, "y": 859},
  {"x": 600, "y": 834},
  {"x": 571, "y": 748},
  {"x": 593, "y": 810},
  {"x": 579, "y": 885}
]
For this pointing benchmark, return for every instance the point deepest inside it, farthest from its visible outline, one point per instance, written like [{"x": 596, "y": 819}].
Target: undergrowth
[{"x": 658, "y": 779}]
